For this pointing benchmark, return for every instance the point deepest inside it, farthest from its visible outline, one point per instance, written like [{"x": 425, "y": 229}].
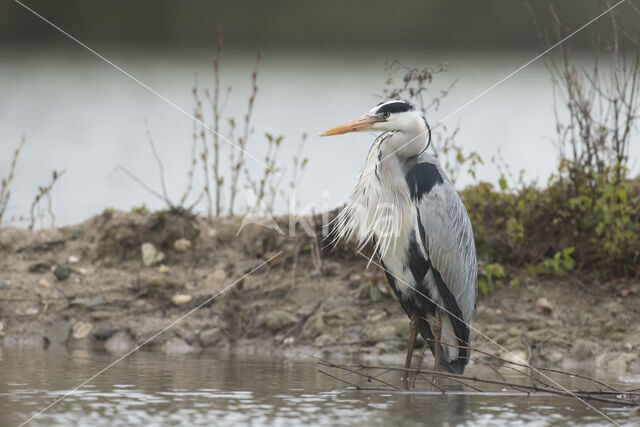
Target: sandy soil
[{"x": 87, "y": 286}]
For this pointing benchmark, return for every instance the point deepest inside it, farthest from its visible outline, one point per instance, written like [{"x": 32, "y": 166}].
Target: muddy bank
[{"x": 119, "y": 279}]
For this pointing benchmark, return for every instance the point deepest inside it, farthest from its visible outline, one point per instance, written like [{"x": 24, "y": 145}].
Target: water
[
  {"x": 207, "y": 389},
  {"x": 82, "y": 115}
]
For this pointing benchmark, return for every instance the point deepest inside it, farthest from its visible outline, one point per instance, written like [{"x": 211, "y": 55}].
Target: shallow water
[
  {"x": 82, "y": 115},
  {"x": 206, "y": 389}
]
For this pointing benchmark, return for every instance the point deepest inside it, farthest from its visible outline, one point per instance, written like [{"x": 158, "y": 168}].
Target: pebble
[
  {"x": 39, "y": 267},
  {"x": 62, "y": 271},
  {"x": 103, "y": 331},
  {"x": 150, "y": 255},
  {"x": 4, "y": 286},
  {"x": 77, "y": 232},
  {"x": 44, "y": 283},
  {"x": 182, "y": 245},
  {"x": 81, "y": 330},
  {"x": 73, "y": 259},
  {"x": 119, "y": 343},
  {"x": 211, "y": 336},
  {"x": 164, "y": 269},
  {"x": 278, "y": 320},
  {"x": 544, "y": 306},
  {"x": 177, "y": 345},
  {"x": 180, "y": 299}
]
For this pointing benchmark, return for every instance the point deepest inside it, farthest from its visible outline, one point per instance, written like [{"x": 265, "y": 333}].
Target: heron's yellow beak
[{"x": 360, "y": 124}]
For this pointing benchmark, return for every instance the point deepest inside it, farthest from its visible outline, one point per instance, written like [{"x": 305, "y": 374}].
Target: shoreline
[{"x": 89, "y": 287}]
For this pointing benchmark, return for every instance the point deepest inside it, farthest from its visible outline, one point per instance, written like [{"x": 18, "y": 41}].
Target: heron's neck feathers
[{"x": 379, "y": 206}]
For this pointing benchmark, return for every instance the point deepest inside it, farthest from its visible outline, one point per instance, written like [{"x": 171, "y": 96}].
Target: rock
[
  {"x": 323, "y": 340},
  {"x": 177, "y": 345},
  {"x": 182, "y": 245},
  {"x": 211, "y": 336},
  {"x": 77, "y": 232},
  {"x": 402, "y": 327},
  {"x": 87, "y": 301},
  {"x": 103, "y": 331},
  {"x": 58, "y": 332},
  {"x": 44, "y": 283},
  {"x": 40, "y": 267},
  {"x": 152, "y": 278},
  {"x": 544, "y": 306},
  {"x": 583, "y": 349},
  {"x": 119, "y": 343},
  {"x": 278, "y": 320},
  {"x": 62, "y": 271},
  {"x": 163, "y": 269},
  {"x": 4, "y": 286},
  {"x": 314, "y": 326},
  {"x": 150, "y": 255},
  {"x": 73, "y": 259},
  {"x": 374, "y": 293},
  {"x": 81, "y": 330},
  {"x": 340, "y": 316},
  {"x": 217, "y": 276},
  {"x": 615, "y": 361},
  {"x": 375, "y": 333},
  {"x": 180, "y": 299}
]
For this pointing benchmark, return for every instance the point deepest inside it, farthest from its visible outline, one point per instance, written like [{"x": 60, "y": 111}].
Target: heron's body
[{"x": 406, "y": 206}]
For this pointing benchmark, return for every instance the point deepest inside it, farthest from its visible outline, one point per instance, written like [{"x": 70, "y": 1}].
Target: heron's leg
[
  {"x": 412, "y": 340},
  {"x": 437, "y": 331}
]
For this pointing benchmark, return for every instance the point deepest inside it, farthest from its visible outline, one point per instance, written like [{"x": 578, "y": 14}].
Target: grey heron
[{"x": 404, "y": 204}]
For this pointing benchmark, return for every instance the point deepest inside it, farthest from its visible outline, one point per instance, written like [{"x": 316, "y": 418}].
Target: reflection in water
[{"x": 156, "y": 389}]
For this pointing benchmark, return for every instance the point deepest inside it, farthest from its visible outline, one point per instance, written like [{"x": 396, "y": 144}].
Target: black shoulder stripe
[{"x": 421, "y": 178}]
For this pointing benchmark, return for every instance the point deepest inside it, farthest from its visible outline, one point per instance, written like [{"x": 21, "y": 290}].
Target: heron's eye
[{"x": 386, "y": 115}]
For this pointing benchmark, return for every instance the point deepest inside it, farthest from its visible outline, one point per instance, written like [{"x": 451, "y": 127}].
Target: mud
[{"x": 86, "y": 286}]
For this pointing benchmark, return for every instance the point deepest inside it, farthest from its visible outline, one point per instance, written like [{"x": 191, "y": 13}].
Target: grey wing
[{"x": 448, "y": 241}]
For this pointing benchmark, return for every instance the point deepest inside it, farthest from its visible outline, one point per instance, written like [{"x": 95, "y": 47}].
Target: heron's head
[{"x": 387, "y": 116}]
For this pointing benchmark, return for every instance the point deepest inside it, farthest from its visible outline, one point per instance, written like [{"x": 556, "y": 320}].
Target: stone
[
  {"x": 77, "y": 232},
  {"x": 314, "y": 326},
  {"x": 120, "y": 342},
  {"x": 39, "y": 267},
  {"x": 375, "y": 333},
  {"x": 73, "y": 259},
  {"x": 62, "y": 271},
  {"x": 180, "y": 299},
  {"x": 163, "y": 269},
  {"x": 211, "y": 336},
  {"x": 278, "y": 320},
  {"x": 150, "y": 255},
  {"x": 217, "y": 276},
  {"x": 87, "y": 301},
  {"x": 58, "y": 332},
  {"x": 182, "y": 245},
  {"x": 374, "y": 293},
  {"x": 81, "y": 330},
  {"x": 615, "y": 361},
  {"x": 152, "y": 278},
  {"x": 583, "y": 349},
  {"x": 177, "y": 345},
  {"x": 44, "y": 283},
  {"x": 103, "y": 331},
  {"x": 544, "y": 306}
]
